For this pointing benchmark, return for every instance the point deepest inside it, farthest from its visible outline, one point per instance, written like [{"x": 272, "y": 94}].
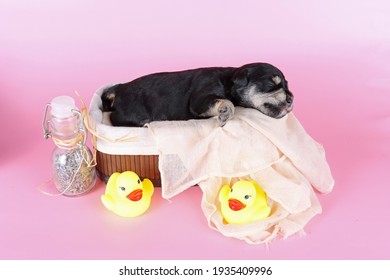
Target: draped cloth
[{"x": 277, "y": 153}]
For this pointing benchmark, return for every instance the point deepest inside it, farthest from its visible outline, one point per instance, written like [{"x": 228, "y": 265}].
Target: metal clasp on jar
[{"x": 46, "y": 124}]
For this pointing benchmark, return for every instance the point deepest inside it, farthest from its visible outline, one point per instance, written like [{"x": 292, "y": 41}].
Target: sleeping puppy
[{"x": 199, "y": 93}]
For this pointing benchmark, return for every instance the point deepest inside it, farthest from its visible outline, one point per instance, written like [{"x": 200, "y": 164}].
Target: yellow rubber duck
[
  {"x": 244, "y": 202},
  {"x": 126, "y": 195}
]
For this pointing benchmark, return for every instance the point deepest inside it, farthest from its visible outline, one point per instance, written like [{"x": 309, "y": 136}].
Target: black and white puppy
[{"x": 199, "y": 93}]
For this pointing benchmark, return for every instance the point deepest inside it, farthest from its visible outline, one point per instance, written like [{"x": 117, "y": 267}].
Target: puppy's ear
[{"x": 240, "y": 79}]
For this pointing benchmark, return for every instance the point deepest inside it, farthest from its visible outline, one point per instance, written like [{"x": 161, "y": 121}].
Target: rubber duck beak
[
  {"x": 135, "y": 195},
  {"x": 236, "y": 205}
]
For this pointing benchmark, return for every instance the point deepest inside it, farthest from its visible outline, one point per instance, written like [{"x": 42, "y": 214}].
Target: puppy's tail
[{"x": 108, "y": 98}]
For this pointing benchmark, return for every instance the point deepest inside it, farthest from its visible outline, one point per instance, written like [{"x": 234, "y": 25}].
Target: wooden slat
[
  {"x": 113, "y": 163},
  {"x": 146, "y": 167},
  {"x": 151, "y": 167},
  {"x": 109, "y": 163},
  {"x": 156, "y": 170},
  {"x": 127, "y": 162},
  {"x": 142, "y": 165}
]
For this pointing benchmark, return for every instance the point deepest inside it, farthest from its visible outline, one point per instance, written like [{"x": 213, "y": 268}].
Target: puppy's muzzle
[
  {"x": 286, "y": 107},
  {"x": 289, "y": 102}
]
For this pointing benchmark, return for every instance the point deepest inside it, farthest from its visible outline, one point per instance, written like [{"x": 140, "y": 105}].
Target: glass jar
[{"x": 73, "y": 171}]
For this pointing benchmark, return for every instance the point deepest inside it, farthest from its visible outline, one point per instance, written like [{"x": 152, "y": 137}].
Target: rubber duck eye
[
  {"x": 122, "y": 188},
  {"x": 231, "y": 190},
  {"x": 247, "y": 196},
  {"x": 139, "y": 182}
]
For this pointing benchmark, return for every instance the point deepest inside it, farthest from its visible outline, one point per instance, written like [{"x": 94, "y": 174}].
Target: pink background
[{"x": 335, "y": 55}]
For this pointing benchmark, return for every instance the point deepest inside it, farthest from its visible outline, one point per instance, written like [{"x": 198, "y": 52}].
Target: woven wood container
[{"x": 146, "y": 166}]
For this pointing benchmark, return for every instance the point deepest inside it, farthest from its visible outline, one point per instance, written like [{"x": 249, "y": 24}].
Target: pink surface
[{"x": 335, "y": 55}]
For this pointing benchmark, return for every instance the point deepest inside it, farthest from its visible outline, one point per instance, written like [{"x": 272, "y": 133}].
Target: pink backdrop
[{"x": 335, "y": 55}]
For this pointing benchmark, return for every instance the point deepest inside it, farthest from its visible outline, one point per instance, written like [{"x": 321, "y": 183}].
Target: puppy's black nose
[{"x": 289, "y": 99}]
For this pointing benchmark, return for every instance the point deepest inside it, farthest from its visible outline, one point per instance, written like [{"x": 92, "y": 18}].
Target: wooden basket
[{"x": 146, "y": 166}]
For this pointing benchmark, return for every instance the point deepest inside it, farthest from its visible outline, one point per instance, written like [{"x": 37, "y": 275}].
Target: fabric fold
[{"x": 277, "y": 153}]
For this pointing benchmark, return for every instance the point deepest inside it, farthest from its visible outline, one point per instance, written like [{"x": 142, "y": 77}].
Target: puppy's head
[{"x": 263, "y": 87}]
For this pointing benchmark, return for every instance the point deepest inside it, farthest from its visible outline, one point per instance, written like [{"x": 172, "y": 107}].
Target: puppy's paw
[{"x": 225, "y": 111}]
